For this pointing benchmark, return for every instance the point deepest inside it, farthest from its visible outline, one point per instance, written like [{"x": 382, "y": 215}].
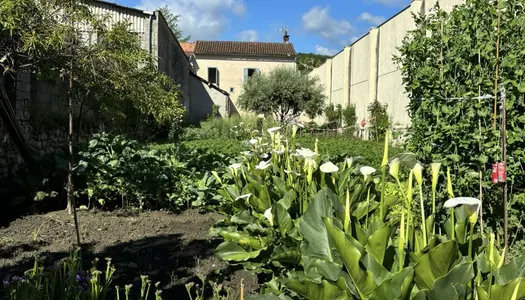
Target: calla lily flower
[
  {"x": 351, "y": 160},
  {"x": 329, "y": 167},
  {"x": 471, "y": 204},
  {"x": 235, "y": 166},
  {"x": 245, "y": 197},
  {"x": 305, "y": 153},
  {"x": 281, "y": 151},
  {"x": 263, "y": 165},
  {"x": 247, "y": 153},
  {"x": 268, "y": 215},
  {"x": 367, "y": 170},
  {"x": 254, "y": 141},
  {"x": 296, "y": 127},
  {"x": 273, "y": 129},
  {"x": 264, "y": 156},
  {"x": 394, "y": 168},
  {"x": 435, "y": 174},
  {"x": 418, "y": 173}
]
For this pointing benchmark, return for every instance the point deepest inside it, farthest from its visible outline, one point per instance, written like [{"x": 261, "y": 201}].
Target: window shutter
[
  {"x": 245, "y": 74},
  {"x": 217, "y": 76}
]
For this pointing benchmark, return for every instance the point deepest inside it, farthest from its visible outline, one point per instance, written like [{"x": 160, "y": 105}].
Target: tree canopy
[
  {"x": 173, "y": 22},
  {"x": 306, "y": 62},
  {"x": 284, "y": 93}
]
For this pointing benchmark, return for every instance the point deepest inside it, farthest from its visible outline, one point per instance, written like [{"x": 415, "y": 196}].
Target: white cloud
[
  {"x": 374, "y": 20},
  {"x": 248, "y": 36},
  {"x": 325, "y": 51},
  {"x": 397, "y": 3},
  {"x": 202, "y": 19},
  {"x": 319, "y": 21}
]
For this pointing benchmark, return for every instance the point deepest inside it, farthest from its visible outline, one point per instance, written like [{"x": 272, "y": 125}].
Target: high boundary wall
[{"x": 365, "y": 70}]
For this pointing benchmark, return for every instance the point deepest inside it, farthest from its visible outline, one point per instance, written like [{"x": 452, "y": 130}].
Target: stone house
[{"x": 227, "y": 65}]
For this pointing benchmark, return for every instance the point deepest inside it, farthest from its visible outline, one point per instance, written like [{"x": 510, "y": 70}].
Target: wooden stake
[
  {"x": 497, "y": 67},
  {"x": 242, "y": 288},
  {"x": 505, "y": 186}
]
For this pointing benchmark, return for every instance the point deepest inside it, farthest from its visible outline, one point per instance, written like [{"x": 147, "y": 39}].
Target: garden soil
[{"x": 171, "y": 248}]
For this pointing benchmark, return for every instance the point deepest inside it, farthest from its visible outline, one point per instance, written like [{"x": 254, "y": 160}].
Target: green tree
[
  {"x": 350, "y": 116},
  {"x": 284, "y": 93},
  {"x": 334, "y": 115},
  {"x": 306, "y": 62},
  {"x": 173, "y": 22},
  {"x": 110, "y": 77},
  {"x": 379, "y": 120}
]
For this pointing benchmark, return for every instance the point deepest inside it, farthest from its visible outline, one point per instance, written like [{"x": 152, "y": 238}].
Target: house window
[
  {"x": 213, "y": 76},
  {"x": 232, "y": 90},
  {"x": 249, "y": 72}
]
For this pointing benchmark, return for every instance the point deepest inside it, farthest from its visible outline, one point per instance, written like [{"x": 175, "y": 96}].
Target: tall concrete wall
[
  {"x": 366, "y": 69},
  {"x": 206, "y": 96}
]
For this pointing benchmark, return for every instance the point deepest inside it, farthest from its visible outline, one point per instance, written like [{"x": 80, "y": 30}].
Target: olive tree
[{"x": 284, "y": 93}]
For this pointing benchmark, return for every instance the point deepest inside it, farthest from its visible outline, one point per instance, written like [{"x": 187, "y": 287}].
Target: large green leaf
[
  {"x": 231, "y": 251},
  {"x": 318, "y": 254},
  {"x": 506, "y": 291},
  {"x": 378, "y": 242},
  {"x": 286, "y": 255},
  {"x": 315, "y": 291},
  {"x": 398, "y": 287},
  {"x": 435, "y": 264},
  {"x": 510, "y": 271},
  {"x": 362, "y": 279},
  {"x": 282, "y": 219},
  {"x": 445, "y": 287},
  {"x": 244, "y": 239}
]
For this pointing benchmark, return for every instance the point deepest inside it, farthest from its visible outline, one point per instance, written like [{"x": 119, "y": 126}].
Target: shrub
[
  {"x": 283, "y": 93},
  {"x": 117, "y": 172},
  {"x": 350, "y": 117},
  {"x": 379, "y": 120},
  {"x": 334, "y": 115}
]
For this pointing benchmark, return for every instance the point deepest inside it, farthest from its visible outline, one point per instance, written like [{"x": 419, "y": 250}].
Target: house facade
[{"x": 228, "y": 65}]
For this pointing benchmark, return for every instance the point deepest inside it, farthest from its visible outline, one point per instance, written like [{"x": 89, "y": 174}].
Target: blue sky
[{"x": 315, "y": 26}]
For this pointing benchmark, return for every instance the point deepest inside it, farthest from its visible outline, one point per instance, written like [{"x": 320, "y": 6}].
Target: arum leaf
[
  {"x": 435, "y": 264},
  {"x": 282, "y": 219},
  {"x": 230, "y": 251},
  {"x": 314, "y": 291},
  {"x": 378, "y": 242},
  {"x": 363, "y": 280},
  {"x": 397, "y": 287},
  {"x": 317, "y": 250},
  {"x": 243, "y": 239},
  {"x": 445, "y": 287},
  {"x": 513, "y": 290},
  {"x": 510, "y": 271}
]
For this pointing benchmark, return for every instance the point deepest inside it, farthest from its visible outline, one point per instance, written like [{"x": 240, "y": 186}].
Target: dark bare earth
[{"x": 173, "y": 249}]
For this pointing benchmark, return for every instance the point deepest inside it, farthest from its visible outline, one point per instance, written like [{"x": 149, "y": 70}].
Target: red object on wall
[
  {"x": 494, "y": 173},
  {"x": 502, "y": 172},
  {"x": 363, "y": 123}
]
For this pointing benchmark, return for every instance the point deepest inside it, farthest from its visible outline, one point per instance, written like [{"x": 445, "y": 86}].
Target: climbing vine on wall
[{"x": 446, "y": 62}]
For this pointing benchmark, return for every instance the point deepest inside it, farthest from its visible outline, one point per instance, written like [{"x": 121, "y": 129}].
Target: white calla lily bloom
[
  {"x": 305, "y": 153},
  {"x": 394, "y": 168},
  {"x": 235, "y": 166},
  {"x": 268, "y": 215},
  {"x": 273, "y": 129},
  {"x": 471, "y": 204},
  {"x": 281, "y": 151},
  {"x": 254, "y": 141},
  {"x": 263, "y": 165},
  {"x": 367, "y": 171},
  {"x": 329, "y": 167},
  {"x": 247, "y": 153}
]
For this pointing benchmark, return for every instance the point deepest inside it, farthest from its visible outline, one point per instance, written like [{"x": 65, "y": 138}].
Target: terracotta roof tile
[
  {"x": 188, "y": 48},
  {"x": 244, "y": 48}
]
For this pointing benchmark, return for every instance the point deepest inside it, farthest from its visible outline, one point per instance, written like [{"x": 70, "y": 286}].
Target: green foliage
[
  {"x": 67, "y": 280},
  {"x": 379, "y": 120},
  {"x": 234, "y": 127},
  {"x": 173, "y": 23},
  {"x": 350, "y": 117},
  {"x": 306, "y": 62},
  {"x": 118, "y": 173},
  {"x": 324, "y": 230},
  {"x": 334, "y": 115},
  {"x": 114, "y": 80},
  {"x": 284, "y": 93},
  {"x": 445, "y": 61}
]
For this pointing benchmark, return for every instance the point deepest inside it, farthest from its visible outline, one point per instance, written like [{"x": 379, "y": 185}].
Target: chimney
[{"x": 286, "y": 37}]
